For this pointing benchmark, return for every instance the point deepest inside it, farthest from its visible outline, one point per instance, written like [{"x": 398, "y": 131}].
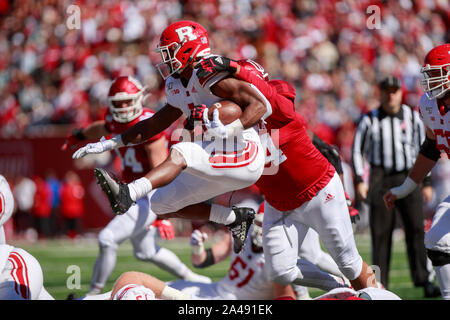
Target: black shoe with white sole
[
  {"x": 117, "y": 191},
  {"x": 239, "y": 228}
]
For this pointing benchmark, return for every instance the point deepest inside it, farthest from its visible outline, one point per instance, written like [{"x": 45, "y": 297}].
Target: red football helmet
[
  {"x": 436, "y": 71},
  {"x": 255, "y": 67},
  {"x": 125, "y": 89},
  {"x": 180, "y": 44}
]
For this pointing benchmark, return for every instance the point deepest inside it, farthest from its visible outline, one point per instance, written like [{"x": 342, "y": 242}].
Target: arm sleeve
[{"x": 359, "y": 147}]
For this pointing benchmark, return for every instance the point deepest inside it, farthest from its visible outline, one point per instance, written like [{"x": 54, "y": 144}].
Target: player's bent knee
[
  {"x": 145, "y": 256},
  {"x": 351, "y": 269},
  {"x": 285, "y": 279},
  {"x": 438, "y": 258},
  {"x": 106, "y": 239}
]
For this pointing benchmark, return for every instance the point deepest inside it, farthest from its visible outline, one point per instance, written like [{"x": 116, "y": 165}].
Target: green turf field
[{"x": 61, "y": 259}]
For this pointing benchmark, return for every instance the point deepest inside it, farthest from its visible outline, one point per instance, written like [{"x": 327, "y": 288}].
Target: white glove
[
  {"x": 218, "y": 129},
  {"x": 98, "y": 147},
  {"x": 197, "y": 241}
]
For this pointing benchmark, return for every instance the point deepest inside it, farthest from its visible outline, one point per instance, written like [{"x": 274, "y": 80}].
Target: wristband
[
  {"x": 209, "y": 260},
  {"x": 169, "y": 293},
  {"x": 198, "y": 249},
  {"x": 406, "y": 188},
  {"x": 78, "y": 133}
]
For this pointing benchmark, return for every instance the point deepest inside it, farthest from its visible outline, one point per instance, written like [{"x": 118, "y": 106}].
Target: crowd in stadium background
[{"x": 50, "y": 75}]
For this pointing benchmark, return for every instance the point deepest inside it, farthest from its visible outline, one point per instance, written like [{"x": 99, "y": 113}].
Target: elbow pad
[{"x": 428, "y": 149}]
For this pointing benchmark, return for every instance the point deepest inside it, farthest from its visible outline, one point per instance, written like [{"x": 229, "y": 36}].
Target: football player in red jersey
[
  {"x": 305, "y": 192},
  {"x": 434, "y": 109},
  {"x": 139, "y": 223},
  {"x": 190, "y": 174}
]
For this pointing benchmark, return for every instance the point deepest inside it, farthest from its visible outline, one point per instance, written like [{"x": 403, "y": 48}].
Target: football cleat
[
  {"x": 117, "y": 191},
  {"x": 239, "y": 228}
]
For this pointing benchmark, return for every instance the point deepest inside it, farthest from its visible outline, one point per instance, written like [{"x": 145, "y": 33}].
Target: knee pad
[
  {"x": 438, "y": 258},
  {"x": 106, "y": 239}
]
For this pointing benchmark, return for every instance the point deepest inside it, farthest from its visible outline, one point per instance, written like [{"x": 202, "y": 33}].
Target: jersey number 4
[{"x": 129, "y": 160}]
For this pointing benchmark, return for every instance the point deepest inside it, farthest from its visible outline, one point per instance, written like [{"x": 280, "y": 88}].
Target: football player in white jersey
[
  {"x": 194, "y": 171},
  {"x": 434, "y": 109},
  {"x": 20, "y": 273},
  {"x": 139, "y": 223},
  {"x": 247, "y": 279}
]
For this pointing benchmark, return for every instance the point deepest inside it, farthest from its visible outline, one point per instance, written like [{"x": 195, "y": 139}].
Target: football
[{"x": 228, "y": 111}]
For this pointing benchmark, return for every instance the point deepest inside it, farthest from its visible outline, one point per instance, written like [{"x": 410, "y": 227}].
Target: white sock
[
  {"x": 443, "y": 277},
  {"x": 221, "y": 215},
  {"x": 139, "y": 188}
]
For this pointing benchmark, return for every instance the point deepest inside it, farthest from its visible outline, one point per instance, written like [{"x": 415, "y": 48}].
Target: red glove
[
  {"x": 72, "y": 139},
  {"x": 165, "y": 228},
  {"x": 196, "y": 115},
  {"x": 354, "y": 213}
]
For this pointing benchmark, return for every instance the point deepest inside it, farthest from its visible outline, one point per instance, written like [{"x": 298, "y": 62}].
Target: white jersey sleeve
[
  {"x": 6, "y": 201},
  {"x": 438, "y": 123}
]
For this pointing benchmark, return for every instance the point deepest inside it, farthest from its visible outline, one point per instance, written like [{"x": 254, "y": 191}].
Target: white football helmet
[
  {"x": 134, "y": 292},
  {"x": 436, "y": 72},
  {"x": 125, "y": 88}
]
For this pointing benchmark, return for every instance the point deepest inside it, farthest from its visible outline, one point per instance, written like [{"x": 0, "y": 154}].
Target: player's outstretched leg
[
  {"x": 117, "y": 192},
  {"x": 239, "y": 228}
]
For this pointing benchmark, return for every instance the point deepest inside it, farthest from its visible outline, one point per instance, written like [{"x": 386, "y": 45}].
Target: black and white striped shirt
[{"x": 389, "y": 142}]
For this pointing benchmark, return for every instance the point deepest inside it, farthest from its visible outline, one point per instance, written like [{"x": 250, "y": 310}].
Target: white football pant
[
  {"x": 438, "y": 239},
  {"x": 327, "y": 213},
  {"x": 209, "y": 173}
]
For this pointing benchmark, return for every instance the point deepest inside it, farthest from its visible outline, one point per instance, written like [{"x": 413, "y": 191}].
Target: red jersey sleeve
[{"x": 283, "y": 109}]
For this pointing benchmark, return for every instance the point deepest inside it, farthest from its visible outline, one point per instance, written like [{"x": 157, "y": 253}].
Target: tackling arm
[{"x": 426, "y": 159}]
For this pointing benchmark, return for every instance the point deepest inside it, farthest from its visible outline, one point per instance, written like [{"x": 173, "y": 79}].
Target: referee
[{"x": 389, "y": 138}]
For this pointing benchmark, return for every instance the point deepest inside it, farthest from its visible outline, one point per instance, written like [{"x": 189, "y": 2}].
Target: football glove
[
  {"x": 354, "y": 213},
  {"x": 215, "y": 64},
  {"x": 197, "y": 241},
  {"x": 98, "y": 147},
  {"x": 73, "y": 139},
  {"x": 197, "y": 114},
  {"x": 165, "y": 228}
]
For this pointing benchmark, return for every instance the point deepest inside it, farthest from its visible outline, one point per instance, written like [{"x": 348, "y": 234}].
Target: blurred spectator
[
  {"x": 42, "y": 207},
  {"x": 50, "y": 74},
  {"x": 72, "y": 207},
  {"x": 55, "y": 186},
  {"x": 24, "y": 190}
]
